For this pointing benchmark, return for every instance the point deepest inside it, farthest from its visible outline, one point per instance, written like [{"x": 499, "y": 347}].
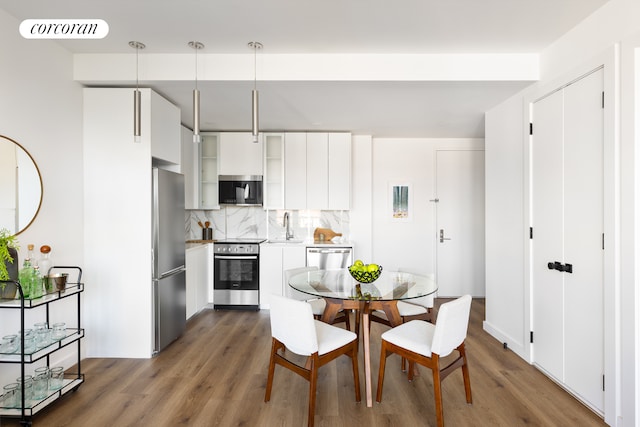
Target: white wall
[
  {"x": 361, "y": 196},
  {"x": 41, "y": 108},
  {"x": 407, "y": 244},
  {"x": 629, "y": 297},
  {"x": 505, "y": 233},
  {"x": 613, "y": 22}
]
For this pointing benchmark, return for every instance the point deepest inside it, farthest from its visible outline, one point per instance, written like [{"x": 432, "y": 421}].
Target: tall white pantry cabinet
[
  {"x": 117, "y": 215},
  {"x": 567, "y": 236}
]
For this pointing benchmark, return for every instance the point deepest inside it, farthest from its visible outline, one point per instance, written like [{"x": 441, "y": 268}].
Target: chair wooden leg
[
  {"x": 347, "y": 319},
  {"x": 313, "y": 381},
  {"x": 411, "y": 370},
  {"x": 383, "y": 362},
  {"x": 272, "y": 367},
  {"x": 437, "y": 390},
  {"x": 356, "y": 374},
  {"x": 465, "y": 373}
]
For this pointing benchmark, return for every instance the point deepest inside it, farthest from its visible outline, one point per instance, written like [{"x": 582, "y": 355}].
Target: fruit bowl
[{"x": 365, "y": 276}]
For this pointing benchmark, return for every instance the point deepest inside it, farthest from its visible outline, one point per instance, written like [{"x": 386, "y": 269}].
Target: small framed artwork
[{"x": 400, "y": 199}]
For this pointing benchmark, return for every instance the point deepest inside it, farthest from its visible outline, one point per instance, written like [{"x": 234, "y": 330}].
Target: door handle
[
  {"x": 442, "y": 238},
  {"x": 567, "y": 268}
]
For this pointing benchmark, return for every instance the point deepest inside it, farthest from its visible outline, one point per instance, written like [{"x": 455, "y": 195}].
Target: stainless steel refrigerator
[{"x": 168, "y": 244}]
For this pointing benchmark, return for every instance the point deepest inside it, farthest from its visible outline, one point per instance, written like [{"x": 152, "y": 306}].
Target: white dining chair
[
  {"x": 317, "y": 304},
  {"x": 425, "y": 343},
  {"x": 294, "y": 328}
]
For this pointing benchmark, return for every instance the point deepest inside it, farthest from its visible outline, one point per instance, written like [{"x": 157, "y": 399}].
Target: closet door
[
  {"x": 546, "y": 219},
  {"x": 583, "y": 228},
  {"x": 567, "y": 218}
]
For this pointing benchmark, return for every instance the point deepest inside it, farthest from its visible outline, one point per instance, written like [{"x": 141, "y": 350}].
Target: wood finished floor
[{"x": 215, "y": 375}]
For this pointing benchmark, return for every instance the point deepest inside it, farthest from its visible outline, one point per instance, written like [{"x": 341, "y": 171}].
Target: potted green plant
[{"x": 8, "y": 263}]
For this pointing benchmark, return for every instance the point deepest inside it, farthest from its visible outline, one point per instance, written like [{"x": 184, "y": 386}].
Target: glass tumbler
[
  {"x": 29, "y": 343},
  {"x": 38, "y": 326},
  {"x": 59, "y": 331},
  {"x": 43, "y": 337},
  {"x": 10, "y": 344},
  {"x": 10, "y": 396},
  {"x": 28, "y": 389},
  {"x": 56, "y": 377},
  {"x": 41, "y": 385}
]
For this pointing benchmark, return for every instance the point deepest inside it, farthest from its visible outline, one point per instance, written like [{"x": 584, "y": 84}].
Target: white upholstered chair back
[
  {"x": 423, "y": 301},
  {"x": 293, "y": 325},
  {"x": 451, "y": 325}
]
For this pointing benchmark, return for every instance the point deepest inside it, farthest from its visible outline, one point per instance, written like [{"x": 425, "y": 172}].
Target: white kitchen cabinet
[
  {"x": 165, "y": 129},
  {"x": 208, "y": 166},
  {"x": 295, "y": 170},
  {"x": 199, "y": 277},
  {"x": 239, "y": 155},
  {"x": 273, "y": 170},
  {"x": 317, "y": 170},
  {"x": 339, "y": 175},
  {"x": 274, "y": 259},
  {"x": 189, "y": 168}
]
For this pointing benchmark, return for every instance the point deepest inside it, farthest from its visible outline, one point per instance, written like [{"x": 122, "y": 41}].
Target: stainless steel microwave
[{"x": 240, "y": 190}]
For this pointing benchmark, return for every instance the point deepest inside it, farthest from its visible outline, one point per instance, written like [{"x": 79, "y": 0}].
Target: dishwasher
[{"x": 329, "y": 258}]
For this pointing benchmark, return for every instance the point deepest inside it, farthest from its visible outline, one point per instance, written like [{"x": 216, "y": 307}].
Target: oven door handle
[{"x": 232, "y": 257}]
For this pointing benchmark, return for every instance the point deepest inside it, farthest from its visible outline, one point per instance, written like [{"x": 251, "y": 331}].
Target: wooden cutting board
[{"x": 327, "y": 232}]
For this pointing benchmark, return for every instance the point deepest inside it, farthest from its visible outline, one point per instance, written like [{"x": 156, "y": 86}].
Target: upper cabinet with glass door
[
  {"x": 20, "y": 187},
  {"x": 208, "y": 168},
  {"x": 273, "y": 180}
]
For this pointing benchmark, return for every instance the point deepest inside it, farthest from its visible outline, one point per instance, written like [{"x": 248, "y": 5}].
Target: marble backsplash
[{"x": 255, "y": 222}]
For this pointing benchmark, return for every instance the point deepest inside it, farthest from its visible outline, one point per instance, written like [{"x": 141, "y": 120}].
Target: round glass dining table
[{"x": 343, "y": 292}]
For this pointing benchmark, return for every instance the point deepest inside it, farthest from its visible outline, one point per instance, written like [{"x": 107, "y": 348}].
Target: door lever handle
[
  {"x": 567, "y": 268},
  {"x": 442, "y": 238}
]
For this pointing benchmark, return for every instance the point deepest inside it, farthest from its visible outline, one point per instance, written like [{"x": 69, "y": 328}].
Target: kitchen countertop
[
  {"x": 190, "y": 244},
  {"x": 309, "y": 243}
]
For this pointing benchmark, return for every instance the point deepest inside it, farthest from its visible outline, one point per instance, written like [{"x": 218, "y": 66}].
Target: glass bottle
[
  {"x": 36, "y": 283},
  {"x": 25, "y": 275},
  {"x": 45, "y": 262}
]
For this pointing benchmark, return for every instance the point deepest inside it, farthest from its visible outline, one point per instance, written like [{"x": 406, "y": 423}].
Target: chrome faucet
[{"x": 286, "y": 222}]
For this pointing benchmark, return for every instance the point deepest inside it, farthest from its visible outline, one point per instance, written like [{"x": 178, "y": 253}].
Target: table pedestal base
[{"x": 363, "y": 308}]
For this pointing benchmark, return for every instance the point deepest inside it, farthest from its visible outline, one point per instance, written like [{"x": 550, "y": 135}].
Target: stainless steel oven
[{"x": 236, "y": 274}]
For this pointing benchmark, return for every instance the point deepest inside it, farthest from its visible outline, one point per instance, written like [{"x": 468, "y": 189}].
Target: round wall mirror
[{"x": 20, "y": 186}]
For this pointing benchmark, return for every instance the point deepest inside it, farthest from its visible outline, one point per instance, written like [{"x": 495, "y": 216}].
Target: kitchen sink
[{"x": 285, "y": 241}]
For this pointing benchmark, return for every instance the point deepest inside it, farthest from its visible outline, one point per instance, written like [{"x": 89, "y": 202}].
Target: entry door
[
  {"x": 568, "y": 222},
  {"x": 460, "y": 222}
]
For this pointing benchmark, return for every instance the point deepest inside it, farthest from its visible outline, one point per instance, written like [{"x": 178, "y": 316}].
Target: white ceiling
[{"x": 380, "y": 108}]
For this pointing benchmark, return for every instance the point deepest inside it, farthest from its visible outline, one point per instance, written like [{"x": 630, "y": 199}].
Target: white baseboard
[{"x": 513, "y": 345}]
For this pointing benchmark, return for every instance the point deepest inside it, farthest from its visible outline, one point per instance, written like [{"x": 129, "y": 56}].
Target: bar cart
[{"x": 25, "y": 355}]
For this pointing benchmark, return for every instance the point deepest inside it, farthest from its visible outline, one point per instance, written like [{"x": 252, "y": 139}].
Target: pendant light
[
  {"x": 196, "y": 96},
  {"x": 136, "y": 96},
  {"x": 254, "y": 93}
]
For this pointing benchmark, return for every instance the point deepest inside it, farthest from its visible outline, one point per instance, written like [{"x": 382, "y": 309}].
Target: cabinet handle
[{"x": 442, "y": 238}]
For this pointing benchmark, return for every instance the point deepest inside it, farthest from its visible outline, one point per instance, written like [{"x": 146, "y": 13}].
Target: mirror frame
[{"x": 35, "y": 215}]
